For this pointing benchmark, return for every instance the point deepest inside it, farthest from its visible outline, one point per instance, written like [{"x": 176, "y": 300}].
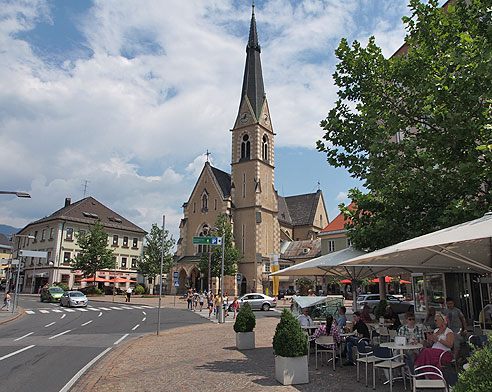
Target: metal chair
[
  {"x": 418, "y": 383},
  {"x": 320, "y": 344},
  {"x": 364, "y": 355},
  {"x": 384, "y": 333},
  {"x": 389, "y": 362},
  {"x": 310, "y": 339}
]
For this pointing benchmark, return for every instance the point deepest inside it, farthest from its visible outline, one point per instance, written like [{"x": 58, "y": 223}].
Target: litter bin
[{"x": 221, "y": 314}]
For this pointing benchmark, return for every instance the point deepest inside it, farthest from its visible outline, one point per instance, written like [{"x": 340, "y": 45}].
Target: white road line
[
  {"x": 69, "y": 310},
  {"x": 63, "y": 316},
  {"x": 29, "y": 312},
  {"x": 120, "y": 339},
  {"x": 104, "y": 308},
  {"x": 145, "y": 314},
  {"x": 94, "y": 309},
  {"x": 60, "y": 334},
  {"x": 74, "y": 379},
  {"x": 145, "y": 318},
  {"x": 22, "y": 337},
  {"x": 115, "y": 308},
  {"x": 135, "y": 327},
  {"x": 147, "y": 307},
  {"x": 57, "y": 311},
  {"x": 100, "y": 314},
  {"x": 83, "y": 310},
  {"x": 47, "y": 325},
  {"x": 126, "y": 307},
  {"x": 16, "y": 352},
  {"x": 88, "y": 322},
  {"x": 136, "y": 307},
  {"x": 43, "y": 311}
]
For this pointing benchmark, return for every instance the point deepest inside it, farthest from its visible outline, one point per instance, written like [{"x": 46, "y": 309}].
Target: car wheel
[{"x": 265, "y": 307}]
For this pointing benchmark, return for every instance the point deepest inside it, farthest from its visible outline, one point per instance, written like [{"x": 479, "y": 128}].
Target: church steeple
[{"x": 253, "y": 89}]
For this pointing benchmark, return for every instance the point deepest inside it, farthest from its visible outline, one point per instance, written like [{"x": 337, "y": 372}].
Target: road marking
[
  {"x": 63, "y": 316},
  {"x": 16, "y": 352},
  {"x": 60, "y": 334},
  {"x": 145, "y": 318},
  {"x": 83, "y": 310},
  {"x": 120, "y": 339},
  {"x": 115, "y": 308},
  {"x": 135, "y": 327},
  {"x": 47, "y": 325},
  {"x": 57, "y": 311},
  {"x": 100, "y": 314},
  {"x": 104, "y": 308},
  {"x": 88, "y": 322},
  {"x": 145, "y": 314},
  {"x": 147, "y": 307},
  {"x": 95, "y": 309},
  {"x": 74, "y": 379},
  {"x": 69, "y": 310},
  {"x": 43, "y": 311},
  {"x": 22, "y": 337},
  {"x": 126, "y": 307},
  {"x": 136, "y": 307},
  {"x": 29, "y": 312}
]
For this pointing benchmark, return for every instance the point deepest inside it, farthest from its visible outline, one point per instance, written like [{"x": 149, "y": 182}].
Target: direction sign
[
  {"x": 33, "y": 253},
  {"x": 239, "y": 277},
  {"x": 176, "y": 283},
  {"x": 207, "y": 240},
  {"x": 176, "y": 275}
]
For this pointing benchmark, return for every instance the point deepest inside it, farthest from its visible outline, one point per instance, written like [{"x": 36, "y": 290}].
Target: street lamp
[
  {"x": 18, "y": 194},
  {"x": 19, "y": 262}
]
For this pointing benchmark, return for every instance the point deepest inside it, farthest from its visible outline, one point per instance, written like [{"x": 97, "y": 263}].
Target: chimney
[{"x": 67, "y": 201}]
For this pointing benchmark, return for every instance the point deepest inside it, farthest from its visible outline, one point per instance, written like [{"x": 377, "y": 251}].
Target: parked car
[
  {"x": 371, "y": 300},
  {"x": 73, "y": 298},
  {"x": 257, "y": 301},
  {"x": 51, "y": 294}
]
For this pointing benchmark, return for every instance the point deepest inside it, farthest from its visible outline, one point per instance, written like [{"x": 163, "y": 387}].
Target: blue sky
[{"x": 129, "y": 95}]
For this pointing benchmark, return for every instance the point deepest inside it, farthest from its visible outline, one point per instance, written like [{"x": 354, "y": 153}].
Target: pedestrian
[
  {"x": 128, "y": 294},
  {"x": 6, "y": 301},
  {"x": 457, "y": 323},
  {"x": 210, "y": 300},
  {"x": 217, "y": 303},
  {"x": 235, "y": 307},
  {"x": 226, "y": 305},
  {"x": 189, "y": 298},
  {"x": 195, "y": 300},
  {"x": 201, "y": 299}
]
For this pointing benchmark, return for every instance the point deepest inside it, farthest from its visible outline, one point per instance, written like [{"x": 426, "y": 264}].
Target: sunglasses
[{"x": 411, "y": 319}]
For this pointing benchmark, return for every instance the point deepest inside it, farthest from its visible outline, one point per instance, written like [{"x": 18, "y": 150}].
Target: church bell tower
[{"x": 256, "y": 227}]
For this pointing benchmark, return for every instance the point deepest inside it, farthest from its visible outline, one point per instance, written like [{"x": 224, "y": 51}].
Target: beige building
[
  {"x": 260, "y": 218},
  {"x": 5, "y": 255},
  {"x": 56, "y": 235}
]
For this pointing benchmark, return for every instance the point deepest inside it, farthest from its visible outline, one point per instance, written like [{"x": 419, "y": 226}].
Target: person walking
[
  {"x": 189, "y": 299},
  {"x": 226, "y": 305},
  {"x": 128, "y": 294},
  {"x": 210, "y": 299},
  {"x": 6, "y": 301},
  {"x": 235, "y": 307},
  {"x": 201, "y": 299}
]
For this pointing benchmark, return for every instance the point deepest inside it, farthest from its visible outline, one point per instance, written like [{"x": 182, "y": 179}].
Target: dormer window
[
  {"x": 245, "y": 147},
  {"x": 264, "y": 148}
]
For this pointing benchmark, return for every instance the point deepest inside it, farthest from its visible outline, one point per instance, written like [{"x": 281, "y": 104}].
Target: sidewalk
[{"x": 6, "y": 317}]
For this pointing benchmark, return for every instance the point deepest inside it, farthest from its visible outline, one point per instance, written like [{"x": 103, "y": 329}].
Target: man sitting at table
[
  {"x": 413, "y": 333},
  {"x": 392, "y": 317},
  {"x": 304, "y": 318},
  {"x": 362, "y": 333},
  {"x": 342, "y": 319}
]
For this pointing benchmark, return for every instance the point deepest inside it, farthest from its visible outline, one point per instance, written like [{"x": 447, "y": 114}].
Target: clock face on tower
[{"x": 244, "y": 117}]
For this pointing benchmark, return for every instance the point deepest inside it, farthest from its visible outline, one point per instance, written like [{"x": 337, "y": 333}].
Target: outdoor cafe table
[
  {"x": 402, "y": 348},
  {"x": 343, "y": 337}
]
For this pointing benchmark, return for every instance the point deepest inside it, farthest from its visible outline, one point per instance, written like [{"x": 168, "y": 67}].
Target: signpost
[{"x": 207, "y": 240}]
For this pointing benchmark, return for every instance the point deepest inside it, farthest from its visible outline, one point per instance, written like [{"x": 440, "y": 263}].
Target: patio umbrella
[
  {"x": 345, "y": 281},
  {"x": 461, "y": 248},
  {"x": 98, "y": 279},
  {"x": 121, "y": 280},
  {"x": 388, "y": 279}
]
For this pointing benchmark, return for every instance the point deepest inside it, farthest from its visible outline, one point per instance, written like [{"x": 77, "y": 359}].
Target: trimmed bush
[
  {"x": 289, "y": 340},
  {"x": 139, "y": 289},
  {"x": 245, "y": 320},
  {"x": 478, "y": 377},
  {"x": 380, "y": 309},
  {"x": 93, "y": 290}
]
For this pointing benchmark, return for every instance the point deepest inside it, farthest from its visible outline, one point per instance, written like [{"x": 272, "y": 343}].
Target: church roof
[
  {"x": 300, "y": 208},
  {"x": 223, "y": 179},
  {"x": 253, "y": 87},
  {"x": 338, "y": 223},
  {"x": 87, "y": 211}
]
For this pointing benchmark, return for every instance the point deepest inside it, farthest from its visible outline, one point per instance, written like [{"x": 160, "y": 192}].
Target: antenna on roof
[{"x": 86, "y": 182}]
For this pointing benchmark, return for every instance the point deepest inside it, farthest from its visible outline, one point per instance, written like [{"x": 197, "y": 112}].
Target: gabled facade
[{"x": 334, "y": 236}]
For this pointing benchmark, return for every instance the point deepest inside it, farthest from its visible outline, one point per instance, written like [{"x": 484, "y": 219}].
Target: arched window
[
  {"x": 245, "y": 147},
  {"x": 204, "y": 202},
  {"x": 265, "y": 148},
  {"x": 203, "y": 233}
]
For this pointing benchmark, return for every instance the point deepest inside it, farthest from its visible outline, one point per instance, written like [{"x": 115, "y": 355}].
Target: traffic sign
[
  {"x": 33, "y": 253},
  {"x": 239, "y": 277},
  {"x": 176, "y": 283},
  {"x": 176, "y": 275},
  {"x": 207, "y": 240}
]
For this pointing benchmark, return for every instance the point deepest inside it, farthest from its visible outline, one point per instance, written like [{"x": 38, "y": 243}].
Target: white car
[
  {"x": 73, "y": 298},
  {"x": 257, "y": 301}
]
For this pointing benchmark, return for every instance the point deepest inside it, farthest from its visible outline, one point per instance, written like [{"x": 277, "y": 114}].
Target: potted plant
[
  {"x": 244, "y": 325},
  {"x": 477, "y": 376},
  {"x": 290, "y": 349}
]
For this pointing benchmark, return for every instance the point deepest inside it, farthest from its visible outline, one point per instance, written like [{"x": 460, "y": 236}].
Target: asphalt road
[{"x": 49, "y": 345}]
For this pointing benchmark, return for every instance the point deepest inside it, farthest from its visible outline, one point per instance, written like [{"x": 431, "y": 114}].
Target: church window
[
  {"x": 243, "y": 238},
  {"x": 321, "y": 221},
  {"x": 245, "y": 147},
  {"x": 244, "y": 185},
  {"x": 265, "y": 148},
  {"x": 203, "y": 233},
  {"x": 194, "y": 207},
  {"x": 215, "y": 204}
]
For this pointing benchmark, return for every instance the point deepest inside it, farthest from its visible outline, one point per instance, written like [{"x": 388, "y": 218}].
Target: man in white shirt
[
  {"x": 304, "y": 318},
  {"x": 128, "y": 294}
]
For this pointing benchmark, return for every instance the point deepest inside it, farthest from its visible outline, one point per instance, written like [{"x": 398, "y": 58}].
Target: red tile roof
[{"x": 338, "y": 223}]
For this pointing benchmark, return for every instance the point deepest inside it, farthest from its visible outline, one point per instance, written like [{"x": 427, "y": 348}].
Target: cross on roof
[{"x": 208, "y": 154}]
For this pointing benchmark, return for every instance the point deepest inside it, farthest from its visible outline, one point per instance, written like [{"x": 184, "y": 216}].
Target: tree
[
  {"x": 409, "y": 126},
  {"x": 231, "y": 253},
  {"x": 94, "y": 252},
  {"x": 150, "y": 265}
]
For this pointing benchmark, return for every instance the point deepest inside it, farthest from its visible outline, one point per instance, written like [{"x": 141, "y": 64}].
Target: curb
[{"x": 18, "y": 315}]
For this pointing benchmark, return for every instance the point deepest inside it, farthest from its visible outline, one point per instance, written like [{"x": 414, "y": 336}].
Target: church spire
[{"x": 253, "y": 88}]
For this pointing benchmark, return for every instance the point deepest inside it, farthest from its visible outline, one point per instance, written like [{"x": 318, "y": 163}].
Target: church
[{"x": 260, "y": 218}]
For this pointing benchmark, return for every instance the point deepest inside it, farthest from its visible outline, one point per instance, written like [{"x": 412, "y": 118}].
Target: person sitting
[
  {"x": 365, "y": 315},
  {"x": 485, "y": 316},
  {"x": 362, "y": 333},
  {"x": 392, "y": 317},
  {"x": 442, "y": 340},
  {"x": 330, "y": 329},
  {"x": 429, "y": 318},
  {"x": 413, "y": 333},
  {"x": 304, "y": 318},
  {"x": 342, "y": 319}
]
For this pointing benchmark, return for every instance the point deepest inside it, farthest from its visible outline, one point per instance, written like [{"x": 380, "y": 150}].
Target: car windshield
[
  {"x": 56, "y": 290},
  {"x": 360, "y": 298},
  {"x": 76, "y": 294}
]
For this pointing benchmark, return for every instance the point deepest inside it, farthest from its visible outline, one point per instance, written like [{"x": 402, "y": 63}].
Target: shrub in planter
[
  {"x": 477, "y": 378},
  {"x": 380, "y": 309},
  {"x": 139, "y": 289},
  {"x": 93, "y": 290},
  {"x": 244, "y": 325},
  {"x": 290, "y": 349}
]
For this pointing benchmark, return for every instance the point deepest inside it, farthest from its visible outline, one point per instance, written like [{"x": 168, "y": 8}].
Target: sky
[{"x": 124, "y": 97}]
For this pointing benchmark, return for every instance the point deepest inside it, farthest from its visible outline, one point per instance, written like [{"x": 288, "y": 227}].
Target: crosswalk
[{"x": 87, "y": 309}]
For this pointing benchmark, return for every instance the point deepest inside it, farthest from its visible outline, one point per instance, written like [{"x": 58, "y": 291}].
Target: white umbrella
[{"x": 462, "y": 248}]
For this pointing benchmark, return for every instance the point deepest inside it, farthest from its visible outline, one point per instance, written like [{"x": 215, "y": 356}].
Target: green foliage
[
  {"x": 63, "y": 286},
  {"x": 477, "y": 378},
  {"x": 304, "y": 284},
  {"x": 231, "y": 253},
  {"x": 94, "y": 252},
  {"x": 380, "y": 309},
  {"x": 289, "y": 340},
  {"x": 150, "y": 265},
  {"x": 408, "y": 127},
  {"x": 139, "y": 289},
  {"x": 94, "y": 290},
  {"x": 245, "y": 320}
]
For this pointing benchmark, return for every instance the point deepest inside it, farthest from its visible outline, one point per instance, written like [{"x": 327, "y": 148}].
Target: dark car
[{"x": 371, "y": 300}]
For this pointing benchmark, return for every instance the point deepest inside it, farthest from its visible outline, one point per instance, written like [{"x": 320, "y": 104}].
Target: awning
[{"x": 98, "y": 279}]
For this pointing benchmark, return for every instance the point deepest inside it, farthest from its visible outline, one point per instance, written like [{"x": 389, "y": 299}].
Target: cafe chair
[
  {"x": 310, "y": 339},
  {"x": 384, "y": 333},
  {"x": 418, "y": 382},
  {"x": 320, "y": 344},
  {"x": 364, "y": 355},
  {"x": 449, "y": 363},
  {"x": 384, "y": 359}
]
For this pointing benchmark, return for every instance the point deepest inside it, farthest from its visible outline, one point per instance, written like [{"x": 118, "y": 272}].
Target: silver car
[
  {"x": 73, "y": 298},
  {"x": 258, "y": 301},
  {"x": 396, "y": 304}
]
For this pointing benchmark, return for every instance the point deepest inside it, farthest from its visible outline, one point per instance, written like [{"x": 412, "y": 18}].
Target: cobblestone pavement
[{"x": 204, "y": 358}]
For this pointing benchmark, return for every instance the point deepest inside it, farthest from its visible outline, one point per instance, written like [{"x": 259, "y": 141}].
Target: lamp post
[
  {"x": 18, "y": 194},
  {"x": 16, "y": 298},
  {"x": 160, "y": 277}
]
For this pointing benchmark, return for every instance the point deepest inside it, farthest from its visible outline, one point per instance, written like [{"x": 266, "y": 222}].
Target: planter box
[
  {"x": 245, "y": 340},
  {"x": 291, "y": 370}
]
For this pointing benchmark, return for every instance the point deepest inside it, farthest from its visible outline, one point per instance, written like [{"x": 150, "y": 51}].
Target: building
[
  {"x": 56, "y": 235},
  {"x": 247, "y": 196},
  {"x": 5, "y": 255},
  {"x": 334, "y": 236}
]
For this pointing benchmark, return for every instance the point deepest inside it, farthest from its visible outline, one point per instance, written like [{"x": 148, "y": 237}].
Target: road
[{"x": 49, "y": 345}]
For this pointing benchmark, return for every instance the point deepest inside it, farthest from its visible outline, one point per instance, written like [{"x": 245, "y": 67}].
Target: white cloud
[{"x": 342, "y": 196}]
